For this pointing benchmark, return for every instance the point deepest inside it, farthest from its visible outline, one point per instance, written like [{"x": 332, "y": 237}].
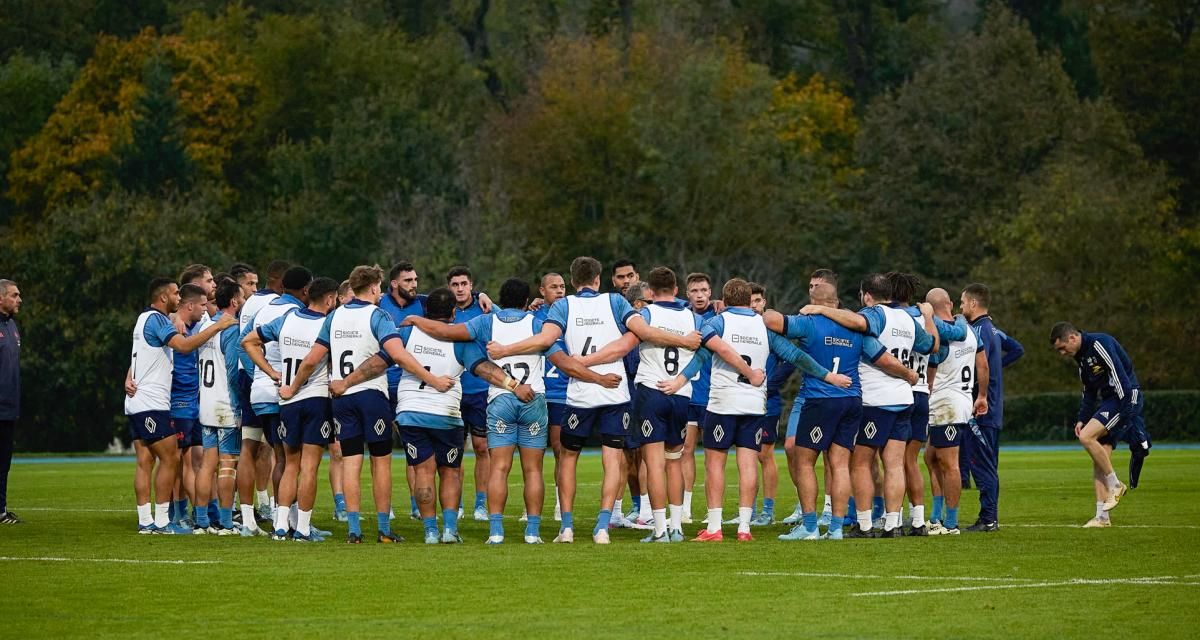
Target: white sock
[
  {"x": 248, "y": 520},
  {"x": 557, "y": 503},
  {"x": 676, "y": 516},
  {"x": 281, "y": 516},
  {"x": 660, "y": 521},
  {"x": 864, "y": 519},
  {"x": 273, "y": 504},
  {"x": 828, "y": 504},
  {"x": 293, "y": 515},
  {"x": 616, "y": 510},
  {"x": 714, "y": 520},
  {"x": 1101, "y": 514},
  {"x": 162, "y": 514},
  {"x": 744, "y": 515},
  {"x": 144, "y": 517},
  {"x": 303, "y": 518},
  {"x": 918, "y": 516},
  {"x": 263, "y": 498},
  {"x": 687, "y": 504},
  {"x": 1111, "y": 481},
  {"x": 646, "y": 511},
  {"x": 891, "y": 520},
  {"x": 798, "y": 510}
]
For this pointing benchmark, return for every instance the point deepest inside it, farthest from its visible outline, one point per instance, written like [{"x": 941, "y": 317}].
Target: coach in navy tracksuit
[{"x": 10, "y": 387}]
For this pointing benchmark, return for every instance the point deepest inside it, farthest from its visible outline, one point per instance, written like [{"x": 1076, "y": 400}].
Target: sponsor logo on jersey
[
  {"x": 902, "y": 333},
  {"x": 346, "y": 333},
  {"x": 738, "y": 338},
  {"x": 588, "y": 322},
  {"x": 437, "y": 352},
  {"x": 832, "y": 341},
  {"x": 296, "y": 342}
]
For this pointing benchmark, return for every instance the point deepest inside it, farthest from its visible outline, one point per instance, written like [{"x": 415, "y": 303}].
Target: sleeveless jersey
[
  {"x": 263, "y": 389},
  {"x": 660, "y": 363},
  {"x": 296, "y": 337},
  {"x": 352, "y": 342},
  {"x": 528, "y": 369},
  {"x": 898, "y": 335},
  {"x": 918, "y": 362},
  {"x": 216, "y": 410},
  {"x": 954, "y": 383},
  {"x": 591, "y": 325},
  {"x": 438, "y": 358},
  {"x": 729, "y": 393},
  {"x": 555, "y": 381},
  {"x": 152, "y": 367}
]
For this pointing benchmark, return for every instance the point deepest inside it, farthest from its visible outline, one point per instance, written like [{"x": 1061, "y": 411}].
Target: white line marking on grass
[
  {"x": 116, "y": 560},
  {"x": 1165, "y": 580},
  {"x": 805, "y": 574},
  {"x": 73, "y": 510},
  {"x": 1123, "y": 526}
]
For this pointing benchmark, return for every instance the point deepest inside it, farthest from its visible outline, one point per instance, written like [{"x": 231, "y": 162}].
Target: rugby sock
[
  {"x": 568, "y": 520},
  {"x": 353, "y": 523},
  {"x": 262, "y": 497},
  {"x": 214, "y": 510},
  {"x": 304, "y": 523},
  {"x": 248, "y": 516},
  {"x": 384, "y": 520},
  {"x": 951, "y": 518},
  {"x": 533, "y": 527},
  {"x": 1101, "y": 514},
  {"x": 496, "y": 524},
  {"x": 864, "y": 520},
  {"x": 430, "y": 524},
  {"x": 293, "y": 515},
  {"x": 480, "y": 500},
  {"x": 201, "y": 518},
  {"x": 636, "y": 499},
  {"x": 676, "y": 516},
  {"x": 836, "y": 522},
  {"x": 602, "y": 520},
  {"x": 162, "y": 514},
  {"x": 645, "y": 509},
  {"x": 273, "y": 505},
  {"x": 850, "y": 507},
  {"x": 144, "y": 516},
  {"x": 714, "y": 520},
  {"x": 687, "y": 504},
  {"x": 226, "y": 518},
  {"x": 918, "y": 516},
  {"x": 769, "y": 506},
  {"x": 450, "y": 519},
  {"x": 810, "y": 520},
  {"x": 280, "y": 521},
  {"x": 412, "y": 505},
  {"x": 744, "y": 516},
  {"x": 181, "y": 508},
  {"x": 1110, "y": 480},
  {"x": 829, "y": 504},
  {"x": 938, "y": 503},
  {"x": 339, "y": 502},
  {"x": 891, "y": 520},
  {"x": 617, "y": 507},
  {"x": 877, "y": 508},
  {"x": 660, "y": 521}
]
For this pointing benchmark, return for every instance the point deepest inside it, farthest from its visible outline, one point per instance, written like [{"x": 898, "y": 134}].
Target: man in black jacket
[{"x": 10, "y": 387}]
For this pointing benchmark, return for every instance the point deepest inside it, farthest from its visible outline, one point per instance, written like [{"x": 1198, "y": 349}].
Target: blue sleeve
[
  {"x": 469, "y": 354},
  {"x": 872, "y": 349},
  {"x": 714, "y": 327},
  {"x": 876, "y": 320},
  {"x": 951, "y": 332},
  {"x": 980, "y": 345},
  {"x": 1108, "y": 350},
  {"x": 382, "y": 326},
  {"x": 557, "y": 315},
  {"x": 480, "y": 328},
  {"x": 923, "y": 343},
  {"x": 799, "y": 327},
  {"x": 323, "y": 336},
  {"x": 699, "y": 321},
  {"x": 270, "y": 332},
  {"x": 622, "y": 310},
  {"x": 158, "y": 331},
  {"x": 780, "y": 374},
  {"x": 703, "y": 358},
  {"x": 942, "y": 353},
  {"x": 1011, "y": 349},
  {"x": 405, "y": 334},
  {"x": 554, "y": 348},
  {"x": 645, "y": 313},
  {"x": 784, "y": 348}
]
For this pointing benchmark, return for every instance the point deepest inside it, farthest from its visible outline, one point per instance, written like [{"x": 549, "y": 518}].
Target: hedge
[{"x": 1169, "y": 415}]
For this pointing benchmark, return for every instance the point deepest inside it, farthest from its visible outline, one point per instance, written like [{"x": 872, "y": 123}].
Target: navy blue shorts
[
  {"x": 189, "y": 432},
  {"x": 248, "y": 417},
  {"x": 879, "y": 426},
  {"x": 272, "y": 429},
  {"x": 150, "y": 426},
  {"x": 554, "y": 411},
  {"x": 770, "y": 429},
  {"x": 1108, "y": 413},
  {"x": 920, "y": 417},
  {"x": 474, "y": 413},
  {"x": 696, "y": 413},
  {"x": 829, "y": 421},
  {"x": 309, "y": 421},
  {"x": 722, "y": 432},
  {"x": 944, "y": 436},
  {"x": 611, "y": 420},
  {"x": 393, "y": 398},
  {"x": 445, "y": 445},
  {"x": 661, "y": 417},
  {"x": 365, "y": 414}
]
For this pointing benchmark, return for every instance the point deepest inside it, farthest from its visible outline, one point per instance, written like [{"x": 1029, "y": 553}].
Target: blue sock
[
  {"x": 637, "y": 503},
  {"x": 339, "y": 502},
  {"x": 850, "y": 508},
  {"x": 430, "y": 524},
  {"x": 769, "y": 505},
  {"x": 355, "y": 525},
  {"x": 534, "y": 526},
  {"x": 450, "y": 517},
  {"x": 201, "y": 518},
  {"x": 951, "y": 518},
  {"x": 181, "y": 508},
  {"x": 602, "y": 521},
  {"x": 938, "y": 503},
  {"x": 385, "y": 522},
  {"x": 214, "y": 510},
  {"x": 810, "y": 520},
  {"x": 877, "y": 508},
  {"x": 412, "y": 505},
  {"x": 480, "y": 500},
  {"x": 171, "y": 511},
  {"x": 496, "y": 524},
  {"x": 226, "y": 516},
  {"x": 568, "y": 520},
  {"x": 836, "y": 522}
]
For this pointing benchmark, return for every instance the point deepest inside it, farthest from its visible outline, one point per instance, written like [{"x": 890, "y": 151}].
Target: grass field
[{"x": 78, "y": 569}]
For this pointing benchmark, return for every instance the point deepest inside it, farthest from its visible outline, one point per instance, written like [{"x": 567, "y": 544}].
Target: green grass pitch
[{"x": 76, "y": 568}]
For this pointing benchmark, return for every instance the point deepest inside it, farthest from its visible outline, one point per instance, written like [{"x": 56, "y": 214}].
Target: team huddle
[{"x": 232, "y": 390}]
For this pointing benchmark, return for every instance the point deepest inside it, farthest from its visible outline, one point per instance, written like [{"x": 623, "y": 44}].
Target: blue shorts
[
  {"x": 554, "y": 412},
  {"x": 365, "y": 415},
  {"x": 309, "y": 421},
  {"x": 512, "y": 423},
  {"x": 878, "y": 426},
  {"x": 920, "y": 417},
  {"x": 661, "y": 417},
  {"x": 696, "y": 414},
  {"x": 474, "y": 413},
  {"x": 1108, "y": 413},
  {"x": 445, "y": 445},
  {"x": 151, "y": 426},
  {"x": 226, "y": 440},
  {"x": 722, "y": 432},
  {"x": 611, "y": 420},
  {"x": 829, "y": 421},
  {"x": 248, "y": 417},
  {"x": 272, "y": 428},
  {"x": 770, "y": 429},
  {"x": 188, "y": 431},
  {"x": 794, "y": 417},
  {"x": 944, "y": 436}
]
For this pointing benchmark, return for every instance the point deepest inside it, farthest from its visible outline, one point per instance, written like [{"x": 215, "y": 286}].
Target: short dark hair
[
  {"x": 824, "y": 274},
  {"x": 877, "y": 285},
  {"x": 440, "y": 304},
  {"x": 904, "y": 286},
  {"x": 276, "y": 269},
  {"x": 344, "y": 288},
  {"x": 400, "y": 267},
  {"x": 1062, "y": 331},
  {"x": 736, "y": 293},
  {"x": 758, "y": 288},
  {"x": 661, "y": 280},
  {"x": 696, "y": 276},
  {"x": 218, "y": 277},
  {"x": 542, "y": 282},
  {"x": 238, "y": 268},
  {"x": 190, "y": 292},
  {"x": 623, "y": 262},
  {"x": 460, "y": 270},
  {"x": 156, "y": 287},
  {"x": 979, "y": 292},
  {"x": 193, "y": 271},
  {"x": 514, "y": 294},
  {"x": 296, "y": 278},
  {"x": 321, "y": 287},
  {"x": 227, "y": 290},
  {"x": 363, "y": 276},
  {"x": 585, "y": 270}
]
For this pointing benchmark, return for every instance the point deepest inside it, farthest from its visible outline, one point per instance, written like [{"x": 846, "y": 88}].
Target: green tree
[{"x": 29, "y": 89}]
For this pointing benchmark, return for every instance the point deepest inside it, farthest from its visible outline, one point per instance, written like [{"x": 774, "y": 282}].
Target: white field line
[
  {"x": 113, "y": 560},
  {"x": 1115, "y": 526},
  {"x": 805, "y": 574},
  {"x": 1164, "y": 580}
]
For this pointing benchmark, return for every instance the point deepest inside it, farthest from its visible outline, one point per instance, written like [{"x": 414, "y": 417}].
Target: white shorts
[{"x": 253, "y": 433}]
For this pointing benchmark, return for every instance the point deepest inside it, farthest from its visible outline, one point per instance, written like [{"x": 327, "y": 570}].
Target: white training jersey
[
  {"x": 216, "y": 410},
  {"x": 591, "y": 326},
  {"x": 919, "y": 362},
  {"x": 152, "y": 367},
  {"x": 351, "y": 342},
  {"x": 662, "y": 363},
  {"x": 263, "y": 389},
  {"x": 438, "y": 357},
  {"x": 528, "y": 369},
  {"x": 251, "y": 307},
  {"x": 952, "y": 401},
  {"x": 296, "y": 337},
  {"x": 729, "y": 393},
  {"x": 898, "y": 336}
]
